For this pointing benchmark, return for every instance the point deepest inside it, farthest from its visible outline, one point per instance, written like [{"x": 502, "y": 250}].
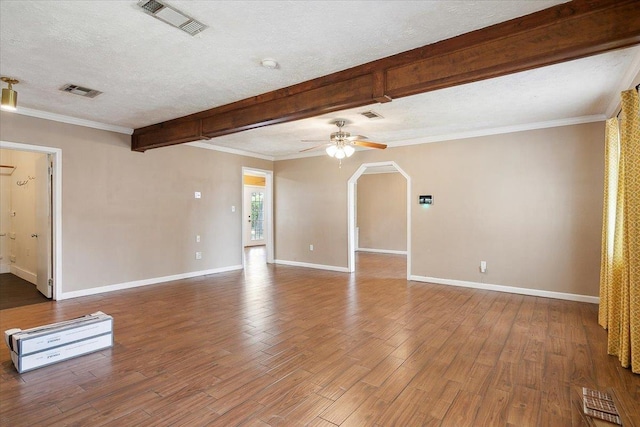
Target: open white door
[
  {"x": 254, "y": 212},
  {"x": 43, "y": 184}
]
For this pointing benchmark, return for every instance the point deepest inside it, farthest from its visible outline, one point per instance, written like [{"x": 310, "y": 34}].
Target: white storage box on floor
[{"x": 44, "y": 345}]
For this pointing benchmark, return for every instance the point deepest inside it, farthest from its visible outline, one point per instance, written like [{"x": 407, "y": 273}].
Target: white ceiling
[{"x": 149, "y": 71}]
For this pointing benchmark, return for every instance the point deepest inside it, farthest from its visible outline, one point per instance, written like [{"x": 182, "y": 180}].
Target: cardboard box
[
  {"x": 23, "y": 342},
  {"x": 25, "y": 363},
  {"x": 41, "y": 346}
]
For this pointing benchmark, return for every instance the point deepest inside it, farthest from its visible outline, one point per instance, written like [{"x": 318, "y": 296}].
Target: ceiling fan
[{"x": 341, "y": 143}]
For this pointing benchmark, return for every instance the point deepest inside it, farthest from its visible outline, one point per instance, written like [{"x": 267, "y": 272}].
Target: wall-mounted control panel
[{"x": 425, "y": 199}]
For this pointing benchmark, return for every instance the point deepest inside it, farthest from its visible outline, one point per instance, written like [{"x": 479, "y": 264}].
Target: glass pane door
[{"x": 257, "y": 215}]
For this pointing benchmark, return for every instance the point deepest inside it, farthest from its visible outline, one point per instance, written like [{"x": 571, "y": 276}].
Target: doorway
[
  {"x": 32, "y": 235},
  {"x": 257, "y": 211},
  {"x": 352, "y": 210},
  {"x": 253, "y": 220}
]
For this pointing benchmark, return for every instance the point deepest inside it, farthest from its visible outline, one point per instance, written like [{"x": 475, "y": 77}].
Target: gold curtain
[{"x": 619, "y": 310}]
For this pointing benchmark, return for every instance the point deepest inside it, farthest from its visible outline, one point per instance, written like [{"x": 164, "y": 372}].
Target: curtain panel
[{"x": 619, "y": 310}]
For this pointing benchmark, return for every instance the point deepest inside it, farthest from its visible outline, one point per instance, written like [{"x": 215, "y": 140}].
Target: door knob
[{"x": 34, "y": 235}]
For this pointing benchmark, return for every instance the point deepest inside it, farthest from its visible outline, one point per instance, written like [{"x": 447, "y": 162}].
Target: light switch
[
  {"x": 233, "y": 208},
  {"x": 198, "y": 195},
  {"x": 197, "y": 238}
]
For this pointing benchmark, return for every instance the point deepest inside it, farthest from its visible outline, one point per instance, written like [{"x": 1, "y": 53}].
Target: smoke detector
[{"x": 171, "y": 16}]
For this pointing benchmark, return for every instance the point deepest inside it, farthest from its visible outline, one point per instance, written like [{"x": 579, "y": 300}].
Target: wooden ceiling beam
[{"x": 562, "y": 33}]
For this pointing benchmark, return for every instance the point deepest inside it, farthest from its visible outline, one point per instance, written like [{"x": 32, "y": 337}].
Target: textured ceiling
[{"x": 150, "y": 72}]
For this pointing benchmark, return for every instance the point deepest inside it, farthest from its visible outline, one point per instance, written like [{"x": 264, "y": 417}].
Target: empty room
[{"x": 320, "y": 213}]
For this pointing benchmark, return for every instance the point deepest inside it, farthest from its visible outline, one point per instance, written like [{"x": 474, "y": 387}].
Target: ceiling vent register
[
  {"x": 79, "y": 90},
  {"x": 171, "y": 16},
  {"x": 371, "y": 115}
]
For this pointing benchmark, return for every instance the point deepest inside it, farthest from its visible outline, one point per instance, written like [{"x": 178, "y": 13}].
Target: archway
[{"x": 351, "y": 191}]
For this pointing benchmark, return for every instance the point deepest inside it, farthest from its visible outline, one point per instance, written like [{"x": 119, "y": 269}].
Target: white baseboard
[
  {"x": 316, "y": 266},
  {"x": 24, "y": 274},
  {"x": 509, "y": 289},
  {"x": 382, "y": 251},
  {"x": 145, "y": 282},
  {"x": 5, "y": 268}
]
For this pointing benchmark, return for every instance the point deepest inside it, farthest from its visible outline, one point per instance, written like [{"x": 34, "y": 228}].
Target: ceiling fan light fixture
[
  {"x": 9, "y": 96},
  {"x": 331, "y": 150},
  {"x": 340, "y": 154},
  {"x": 348, "y": 150}
]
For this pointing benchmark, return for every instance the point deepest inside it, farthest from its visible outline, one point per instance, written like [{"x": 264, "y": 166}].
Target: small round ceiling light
[{"x": 269, "y": 63}]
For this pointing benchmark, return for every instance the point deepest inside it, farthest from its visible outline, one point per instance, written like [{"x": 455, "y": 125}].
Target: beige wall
[
  {"x": 130, "y": 216},
  {"x": 311, "y": 208},
  {"x": 21, "y": 200},
  {"x": 382, "y": 211},
  {"x": 528, "y": 203}
]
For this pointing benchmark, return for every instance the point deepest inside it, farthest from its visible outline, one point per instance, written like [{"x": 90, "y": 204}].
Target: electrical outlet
[
  {"x": 198, "y": 195},
  {"x": 198, "y": 255},
  {"x": 310, "y": 247}
]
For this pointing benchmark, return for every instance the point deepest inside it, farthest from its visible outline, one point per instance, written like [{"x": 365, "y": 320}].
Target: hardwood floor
[
  {"x": 278, "y": 345},
  {"x": 16, "y": 292}
]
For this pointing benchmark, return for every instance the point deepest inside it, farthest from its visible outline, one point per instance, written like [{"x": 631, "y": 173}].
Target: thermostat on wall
[{"x": 425, "y": 199}]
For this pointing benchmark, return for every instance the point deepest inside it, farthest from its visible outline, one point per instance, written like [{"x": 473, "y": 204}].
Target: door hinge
[{"x": 50, "y": 283}]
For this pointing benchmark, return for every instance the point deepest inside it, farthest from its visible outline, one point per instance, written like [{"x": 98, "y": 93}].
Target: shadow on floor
[{"x": 16, "y": 292}]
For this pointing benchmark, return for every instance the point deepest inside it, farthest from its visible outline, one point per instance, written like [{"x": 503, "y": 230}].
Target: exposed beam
[{"x": 565, "y": 32}]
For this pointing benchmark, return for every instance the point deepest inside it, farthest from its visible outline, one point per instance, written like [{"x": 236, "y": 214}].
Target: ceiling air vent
[
  {"x": 371, "y": 115},
  {"x": 171, "y": 16},
  {"x": 79, "y": 90}
]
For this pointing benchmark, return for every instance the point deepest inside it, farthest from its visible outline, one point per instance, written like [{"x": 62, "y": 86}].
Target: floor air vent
[
  {"x": 172, "y": 16},
  {"x": 79, "y": 90}
]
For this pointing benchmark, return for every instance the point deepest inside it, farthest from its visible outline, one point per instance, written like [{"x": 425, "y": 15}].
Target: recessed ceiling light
[{"x": 269, "y": 63}]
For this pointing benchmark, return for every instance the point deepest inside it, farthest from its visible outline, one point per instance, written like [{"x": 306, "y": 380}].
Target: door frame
[
  {"x": 351, "y": 220},
  {"x": 268, "y": 211},
  {"x": 56, "y": 208}
]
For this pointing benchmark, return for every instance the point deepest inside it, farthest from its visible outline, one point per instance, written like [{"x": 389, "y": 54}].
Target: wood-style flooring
[
  {"x": 278, "y": 345},
  {"x": 16, "y": 292}
]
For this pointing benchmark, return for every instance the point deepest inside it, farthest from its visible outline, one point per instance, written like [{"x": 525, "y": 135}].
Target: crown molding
[
  {"x": 72, "y": 120},
  {"x": 208, "y": 146},
  {"x": 475, "y": 133},
  {"x": 501, "y": 130}
]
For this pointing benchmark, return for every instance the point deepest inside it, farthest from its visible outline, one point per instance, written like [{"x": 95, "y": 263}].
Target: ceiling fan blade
[
  {"x": 357, "y": 137},
  {"x": 315, "y": 148},
  {"x": 370, "y": 144}
]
